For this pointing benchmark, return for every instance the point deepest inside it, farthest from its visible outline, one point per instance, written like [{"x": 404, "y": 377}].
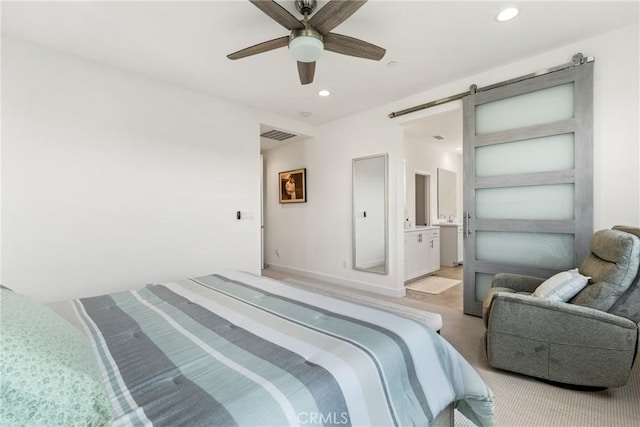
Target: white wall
[
  {"x": 111, "y": 181},
  {"x": 317, "y": 236}
]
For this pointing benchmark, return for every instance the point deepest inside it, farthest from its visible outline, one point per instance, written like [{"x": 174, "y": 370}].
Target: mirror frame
[{"x": 385, "y": 271}]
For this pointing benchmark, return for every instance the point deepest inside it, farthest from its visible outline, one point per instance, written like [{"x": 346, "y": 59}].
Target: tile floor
[{"x": 451, "y": 298}]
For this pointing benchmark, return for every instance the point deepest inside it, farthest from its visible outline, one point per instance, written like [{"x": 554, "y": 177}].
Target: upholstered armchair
[{"x": 590, "y": 340}]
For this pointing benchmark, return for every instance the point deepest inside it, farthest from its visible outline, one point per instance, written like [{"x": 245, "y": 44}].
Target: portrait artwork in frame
[{"x": 293, "y": 186}]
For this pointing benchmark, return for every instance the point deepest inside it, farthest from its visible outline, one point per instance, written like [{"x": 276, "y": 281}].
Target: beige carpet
[
  {"x": 433, "y": 285},
  {"x": 522, "y": 401},
  {"x": 527, "y": 402}
]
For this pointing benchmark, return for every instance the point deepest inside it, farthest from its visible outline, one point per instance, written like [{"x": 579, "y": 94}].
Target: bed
[{"x": 239, "y": 349}]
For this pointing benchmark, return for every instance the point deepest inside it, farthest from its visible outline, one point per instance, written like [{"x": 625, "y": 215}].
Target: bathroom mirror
[
  {"x": 370, "y": 236},
  {"x": 446, "y": 194}
]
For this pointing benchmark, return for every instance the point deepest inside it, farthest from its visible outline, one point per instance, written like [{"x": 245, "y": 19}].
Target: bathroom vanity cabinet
[{"x": 421, "y": 251}]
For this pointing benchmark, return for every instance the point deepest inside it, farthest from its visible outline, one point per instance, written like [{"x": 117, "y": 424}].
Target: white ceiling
[
  {"x": 186, "y": 43},
  {"x": 447, "y": 124}
]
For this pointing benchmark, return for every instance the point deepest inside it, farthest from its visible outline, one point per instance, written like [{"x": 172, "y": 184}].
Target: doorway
[
  {"x": 279, "y": 151},
  {"x": 432, "y": 144},
  {"x": 423, "y": 197}
]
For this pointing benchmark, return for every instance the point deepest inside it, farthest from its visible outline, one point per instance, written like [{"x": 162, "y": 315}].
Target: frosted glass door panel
[
  {"x": 526, "y": 249},
  {"x": 533, "y": 108},
  {"x": 483, "y": 284},
  {"x": 548, "y": 202},
  {"x": 550, "y": 153}
]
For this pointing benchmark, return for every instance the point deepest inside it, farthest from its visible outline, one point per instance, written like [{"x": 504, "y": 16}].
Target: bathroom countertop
[
  {"x": 449, "y": 224},
  {"x": 420, "y": 228}
]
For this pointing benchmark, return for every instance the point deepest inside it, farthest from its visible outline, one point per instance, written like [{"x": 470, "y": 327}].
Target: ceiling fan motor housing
[{"x": 305, "y": 7}]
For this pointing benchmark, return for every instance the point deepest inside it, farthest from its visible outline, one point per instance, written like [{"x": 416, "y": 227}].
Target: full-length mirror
[
  {"x": 370, "y": 237},
  {"x": 447, "y": 194}
]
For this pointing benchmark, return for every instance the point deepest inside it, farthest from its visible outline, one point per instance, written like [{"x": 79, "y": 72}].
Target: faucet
[{"x": 450, "y": 218}]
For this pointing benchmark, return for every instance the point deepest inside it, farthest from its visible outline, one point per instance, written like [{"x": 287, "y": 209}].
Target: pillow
[
  {"x": 561, "y": 287},
  {"x": 48, "y": 375}
]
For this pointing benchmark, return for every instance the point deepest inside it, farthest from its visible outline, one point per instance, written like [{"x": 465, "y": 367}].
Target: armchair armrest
[
  {"x": 517, "y": 282},
  {"x": 560, "y": 342}
]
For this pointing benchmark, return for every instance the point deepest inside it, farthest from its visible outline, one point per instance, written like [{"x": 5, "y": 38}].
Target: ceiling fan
[{"x": 309, "y": 37}]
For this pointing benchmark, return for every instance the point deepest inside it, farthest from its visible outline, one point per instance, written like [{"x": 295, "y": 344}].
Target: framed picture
[{"x": 293, "y": 186}]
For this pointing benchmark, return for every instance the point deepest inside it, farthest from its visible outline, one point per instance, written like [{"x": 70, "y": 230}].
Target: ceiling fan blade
[
  {"x": 278, "y": 14},
  {"x": 306, "y": 71},
  {"x": 353, "y": 47},
  {"x": 260, "y": 48},
  {"x": 334, "y": 13}
]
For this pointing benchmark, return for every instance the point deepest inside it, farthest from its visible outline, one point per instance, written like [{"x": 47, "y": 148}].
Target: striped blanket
[{"x": 243, "y": 350}]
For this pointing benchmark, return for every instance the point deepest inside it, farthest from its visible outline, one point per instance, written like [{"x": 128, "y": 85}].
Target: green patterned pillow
[{"x": 48, "y": 375}]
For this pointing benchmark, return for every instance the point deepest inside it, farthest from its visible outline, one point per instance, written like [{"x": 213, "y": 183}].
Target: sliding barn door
[{"x": 528, "y": 186}]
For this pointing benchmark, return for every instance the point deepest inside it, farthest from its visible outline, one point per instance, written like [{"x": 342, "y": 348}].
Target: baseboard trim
[{"x": 354, "y": 284}]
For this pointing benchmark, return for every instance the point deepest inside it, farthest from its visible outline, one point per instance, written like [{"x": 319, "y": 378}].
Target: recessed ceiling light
[
  {"x": 458, "y": 148},
  {"x": 324, "y": 92},
  {"x": 392, "y": 63},
  {"x": 507, "y": 14}
]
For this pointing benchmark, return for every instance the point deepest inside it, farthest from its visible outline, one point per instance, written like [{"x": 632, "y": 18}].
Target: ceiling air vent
[
  {"x": 438, "y": 137},
  {"x": 278, "y": 135}
]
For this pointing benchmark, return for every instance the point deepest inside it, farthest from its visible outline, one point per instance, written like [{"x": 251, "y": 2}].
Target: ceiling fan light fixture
[{"x": 306, "y": 45}]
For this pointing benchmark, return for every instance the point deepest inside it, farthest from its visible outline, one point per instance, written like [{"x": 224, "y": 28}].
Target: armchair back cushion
[
  {"x": 612, "y": 265},
  {"x": 629, "y": 303}
]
